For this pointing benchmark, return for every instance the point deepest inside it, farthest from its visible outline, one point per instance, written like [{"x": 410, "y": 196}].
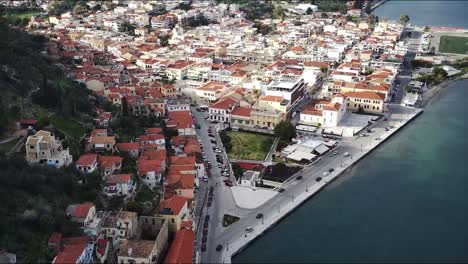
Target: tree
[
  {"x": 324, "y": 15},
  {"x": 124, "y": 106},
  {"x": 358, "y": 4},
  {"x": 323, "y": 69},
  {"x": 97, "y": 7},
  {"x": 404, "y": 19},
  {"x": 278, "y": 13},
  {"x": 407, "y": 89},
  {"x": 368, "y": 8},
  {"x": 285, "y": 130}
]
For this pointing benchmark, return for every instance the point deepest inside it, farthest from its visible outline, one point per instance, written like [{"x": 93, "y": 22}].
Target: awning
[
  {"x": 321, "y": 149},
  {"x": 299, "y": 155}
]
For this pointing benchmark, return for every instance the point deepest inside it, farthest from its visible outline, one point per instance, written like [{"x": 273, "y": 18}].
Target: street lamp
[
  {"x": 361, "y": 147},
  {"x": 307, "y": 188}
]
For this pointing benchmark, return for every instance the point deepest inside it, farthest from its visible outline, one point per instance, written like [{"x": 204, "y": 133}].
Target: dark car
[
  {"x": 299, "y": 177},
  {"x": 331, "y": 170},
  {"x": 205, "y": 224},
  {"x": 207, "y": 218},
  {"x": 318, "y": 179},
  {"x": 281, "y": 190},
  {"x": 203, "y": 247},
  {"x": 204, "y": 239},
  {"x": 205, "y": 231},
  {"x": 209, "y": 204},
  {"x": 260, "y": 215},
  {"x": 228, "y": 183},
  {"x": 219, "y": 247}
]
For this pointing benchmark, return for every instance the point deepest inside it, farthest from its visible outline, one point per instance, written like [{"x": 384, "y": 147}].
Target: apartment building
[{"x": 44, "y": 147}]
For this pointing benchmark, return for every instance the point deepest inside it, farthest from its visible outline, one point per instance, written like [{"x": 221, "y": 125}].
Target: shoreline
[
  {"x": 429, "y": 95},
  {"x": 238, "y": 246}
]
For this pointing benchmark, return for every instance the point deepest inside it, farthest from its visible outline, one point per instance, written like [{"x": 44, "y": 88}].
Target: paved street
[
  {"x": 223, "y": 201},
  {"x": 235, "y": 237}
]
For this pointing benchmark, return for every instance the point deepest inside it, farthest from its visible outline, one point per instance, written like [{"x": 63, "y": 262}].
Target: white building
[
  {"x": 248, "y": 178},
  {"x": 326, "y": 113},
  {"x": 290, "y": 87}
]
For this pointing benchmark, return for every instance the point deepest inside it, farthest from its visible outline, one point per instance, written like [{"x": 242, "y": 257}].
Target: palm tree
[{"x": 404, "y": 19}]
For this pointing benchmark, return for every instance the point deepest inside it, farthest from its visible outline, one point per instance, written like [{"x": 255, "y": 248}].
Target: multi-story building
[
  {"x": 120, "y": 226},
  {"x": 43, "y": 147},
  {"x": 366, "y": 101},
  {"x": 175, "y": 210},
  {"x": 326, "y": 113},
  {"x": 289, "y": 87}
]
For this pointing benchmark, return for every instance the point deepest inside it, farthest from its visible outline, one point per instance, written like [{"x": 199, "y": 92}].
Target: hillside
[{"x": 30, "y": 84}]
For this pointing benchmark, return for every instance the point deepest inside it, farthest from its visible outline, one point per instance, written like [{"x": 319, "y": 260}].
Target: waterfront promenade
[{"x": 235, "y": 238}]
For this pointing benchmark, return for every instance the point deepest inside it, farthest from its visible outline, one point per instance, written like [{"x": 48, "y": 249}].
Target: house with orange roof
[
  {"x": 99, "y": 141},
  {"x": 181, "y": 250},
  {"x": 174, "y": 210},
  {"x": 118, "y": 185},
  {"x": 324, "y": 113},
  {"x": 181, "y": 182},
  {"x": 241, "y": 117},
  {"x": 87, "y": 163},
  {"x": 130, "y": 148},
  {"x": 183, "y": 122},
  {"x": 212, "y": 91},
  {"x": 81, "y": 213},
  {"x": 75, "y": 250},
  {"x": 109, "y": 164},
  {"x": 178, "y": 70},
  {"x": 220, "y": 110},
  {"x": 370, "y": 102}
]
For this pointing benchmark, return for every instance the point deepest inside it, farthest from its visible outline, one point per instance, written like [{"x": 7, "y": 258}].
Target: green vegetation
[
  {"x": 249, "y": 146},
  {"x": 437, "y": 76},
  {"x": 331, "y": 6},
  {"x": 17, "y": 16},
  {"x": 229, "y": 220},
  {"x": 145, "y": 201},
  {"x": 453, "y": 44},
  {"x": 34, "y": 199},
  {"x": 68, "y": 127},
  {"x": 404, "y": 19},
  {"x": 7, "y": 146},
  {"x": 462, "y": 64},
  {"x": 285, "y": 130}
]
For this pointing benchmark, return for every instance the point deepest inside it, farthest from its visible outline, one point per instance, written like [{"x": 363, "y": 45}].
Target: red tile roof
[
  {"x": 81, "y": 210},
  {"x": 70, "y": 253},
  {"x": 181, "y": 250},
  {"x": 182, "y": 161},
  {"x": 224, "y": 103},
  {"x": 366, "y": 95},
  {"x": 128, "y": 146},
  {"x": 86, "y": 160},
  {"x": 118, "y": 178},
  {"x": 241, "y": 111},
  {"x": 109, "y": 161},
  {"x": 172, "y": 205}
]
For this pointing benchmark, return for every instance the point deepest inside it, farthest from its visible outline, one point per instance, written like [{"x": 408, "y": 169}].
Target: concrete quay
[{"x": 235, "y": 238}]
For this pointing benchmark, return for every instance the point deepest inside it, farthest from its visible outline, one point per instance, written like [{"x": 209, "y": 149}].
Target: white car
[
  {"x": 326, "y": 174},
  {"x": 346, "y": 154},
  {"x": 218, "y": 151},
  {"x": 205, "y": 178}
]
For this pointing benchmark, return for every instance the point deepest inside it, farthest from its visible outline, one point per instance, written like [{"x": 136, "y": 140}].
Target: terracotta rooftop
[{"x": 181, "y": 250}]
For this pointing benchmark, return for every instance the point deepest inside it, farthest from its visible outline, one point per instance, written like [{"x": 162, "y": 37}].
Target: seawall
[{"x": 269, "y": 223}]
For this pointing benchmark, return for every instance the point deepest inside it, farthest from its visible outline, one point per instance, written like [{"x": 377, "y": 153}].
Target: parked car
[
  {"x": 228, "y": 183},
  {"x": 346, "y": 154},
  {"x": 330, "y": 170},
  {"x": 325, "y": 174},
  {"x": 203, "y": 247},
  {"x": 205, "y": 178},
  {"x": 259, "y": 215},
  {"x": 280, "y": 190},
  {"x": 299, "y": 177},
  {"x": 219, "y": 247},
  {"x": 318, "y": 179},
  {"x": 248, "y": 229}
]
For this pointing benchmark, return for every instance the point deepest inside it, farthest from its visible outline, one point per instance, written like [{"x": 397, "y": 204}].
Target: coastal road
[{"x": 294, "y": 188}]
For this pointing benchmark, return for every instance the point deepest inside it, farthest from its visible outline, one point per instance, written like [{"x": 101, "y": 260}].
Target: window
[
  {"x": 172, "y": 220},
  {"x": 31, "y": 147}
]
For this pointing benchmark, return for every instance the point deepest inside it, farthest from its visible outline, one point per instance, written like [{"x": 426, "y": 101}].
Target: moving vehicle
[
  {"x": 318, "y": 179},
  {"x": 346, "y": 154},
  {"x": 259, "y": 215},
  {"x": 299, "y": 177}
]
